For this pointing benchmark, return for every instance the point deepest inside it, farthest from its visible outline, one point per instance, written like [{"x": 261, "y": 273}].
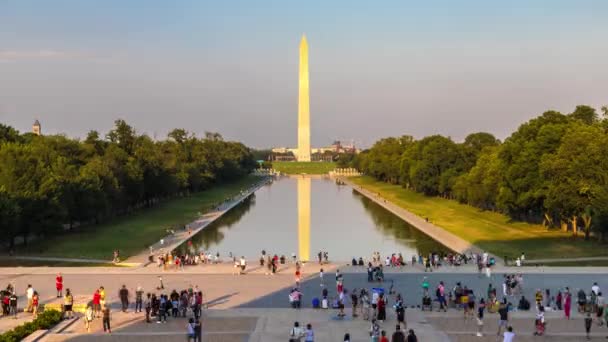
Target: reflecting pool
[{"x": 305, "y": 215}]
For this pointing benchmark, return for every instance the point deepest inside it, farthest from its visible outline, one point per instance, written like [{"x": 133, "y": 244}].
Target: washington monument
[{"x": 303, "y": 105}]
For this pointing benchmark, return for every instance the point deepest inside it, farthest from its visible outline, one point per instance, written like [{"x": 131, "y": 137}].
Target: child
[
  {"x": 88, "y": 318},
  {"x": 321, "y": 277},
  {"x": 588, "y": 321},
  {"x": 540, "y": 321}
]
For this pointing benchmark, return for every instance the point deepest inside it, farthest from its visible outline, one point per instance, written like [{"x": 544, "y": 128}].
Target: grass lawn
[
  {"x": 134, "y": 233},
  {"x": 311, "y": 168},
  {"x": 489, "y": 230}
]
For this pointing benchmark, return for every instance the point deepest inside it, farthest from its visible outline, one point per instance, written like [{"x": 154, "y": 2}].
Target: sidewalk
[{"x": 8, "y": 322}]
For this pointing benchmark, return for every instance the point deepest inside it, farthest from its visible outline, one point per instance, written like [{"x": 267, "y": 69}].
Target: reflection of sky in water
[{"x": 342, "y": 222}]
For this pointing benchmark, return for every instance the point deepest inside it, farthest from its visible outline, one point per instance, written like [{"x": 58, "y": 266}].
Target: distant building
[
  {"x": 36, "y": 128},
  {"x": 328, "y": 153}
]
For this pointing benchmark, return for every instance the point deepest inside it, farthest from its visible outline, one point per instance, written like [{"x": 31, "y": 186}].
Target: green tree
[{"x": 575, "y": 174}]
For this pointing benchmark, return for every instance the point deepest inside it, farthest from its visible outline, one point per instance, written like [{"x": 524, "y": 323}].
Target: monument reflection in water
[
  {"x": 305, "y": 215},
  {"x": 304, "y": 218}
]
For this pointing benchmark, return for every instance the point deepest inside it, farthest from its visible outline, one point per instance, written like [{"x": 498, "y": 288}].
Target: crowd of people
[{"x": 372, "y": 304}]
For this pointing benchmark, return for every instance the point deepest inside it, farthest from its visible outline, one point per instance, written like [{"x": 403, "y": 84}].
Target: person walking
[
  {"x": 480, "y": 310},
  {"x": 88, "y": 317},
  {"x": 588, "y": 321},
  {"x": 59, "y": 285},
  {"x": 97, "y": 303},
  {"x": 243, "y": 264},
  {"x": 106, "y": 319},
  {"x": 508, "y": 335},
  {"x": 139, "y": 297},
  {"x": 374, "y": 331},
  {"x": 600, "y": 308},
  {"x": 123, "y": 293},
  {"x": 13, "y": 304},
  {"x": 162, "y": 310},
  {"x": 198, "y": 331},
  {"x": 383, "y": 337},
  {"x": 102, "y": 297},
  {"x": 296, "y": 333},
  {"x": 411, "y": 336},
  {"x": 68, "y": 303},
  {"x": 440, "y": 293},
  {"x": 309, "y": 334},
  {"x": 567, "y": 303},
  {"x": 381, "y": 308},
  {"x": 540, "y": 321},
  {"x": 503, "y": 312},
  {"x": 148, "y": 307},
  {"x": 35, "y": 304},
  {"x": 365, "y": 304},
  {"x": 354, "y": 299},
  {"x": 400, "y": 311},
  {"x": 190, "y": 330},
  {"x": 29, "y": 294},
  {"x": 398, "y": 335}
]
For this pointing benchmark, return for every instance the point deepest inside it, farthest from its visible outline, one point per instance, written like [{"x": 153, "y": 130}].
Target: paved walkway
[
  {"x": 71, "y": 260},
  {"x": 173, "y": 241},
  {"x": 446, "y": 238},
  {"x": 540, "y": 261}
]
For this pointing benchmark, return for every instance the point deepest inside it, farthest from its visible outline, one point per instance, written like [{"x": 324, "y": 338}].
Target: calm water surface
[{"x": 305, "y": 215}]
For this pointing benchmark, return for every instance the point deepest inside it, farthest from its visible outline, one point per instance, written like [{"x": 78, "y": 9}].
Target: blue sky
[{"x": 376, "y": 68}]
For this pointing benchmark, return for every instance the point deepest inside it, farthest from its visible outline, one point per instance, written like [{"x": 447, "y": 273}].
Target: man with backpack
[{"x": 440, "y": 293}]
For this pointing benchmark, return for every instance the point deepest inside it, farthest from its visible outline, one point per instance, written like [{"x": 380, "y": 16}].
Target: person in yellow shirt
[{"x": 102, "y": 296}]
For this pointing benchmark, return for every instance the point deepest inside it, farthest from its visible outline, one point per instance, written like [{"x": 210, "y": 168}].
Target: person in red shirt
[
  {"x": 97, "y": 303},
  {"x": 297, "y": 278},
  {"x": 59, "y": 285},
  {"x": 35, "y": 304},
  {"x": 383, "y": 338}
]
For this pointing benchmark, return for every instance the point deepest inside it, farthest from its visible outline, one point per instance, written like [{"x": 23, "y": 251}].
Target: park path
[
  {"x": 540, "y": 261},
  {"x": 75, "y": 260},
  {"x": 451, "y": 241},
  {"x": 172, "y": 241}
]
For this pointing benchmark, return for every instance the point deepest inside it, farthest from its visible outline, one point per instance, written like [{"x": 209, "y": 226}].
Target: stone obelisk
[{"x": 303, "y": 105}]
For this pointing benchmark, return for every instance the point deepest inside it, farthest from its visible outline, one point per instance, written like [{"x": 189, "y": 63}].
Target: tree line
[
  {"x": 553, "y": 170},
  {"x": 50, "y": 184}
]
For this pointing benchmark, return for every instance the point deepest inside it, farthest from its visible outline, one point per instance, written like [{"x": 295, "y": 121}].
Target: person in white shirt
[
  {"x": 508, "y": 335},
  {"x": 296, "y": 332},
  {"x": 190, "y": 328},
  {"x": 243, "y": 264},
  {"x": 321, "y": 277},
  {"x": 595, "y": 288},
  {"x": 30, "y": 295}
]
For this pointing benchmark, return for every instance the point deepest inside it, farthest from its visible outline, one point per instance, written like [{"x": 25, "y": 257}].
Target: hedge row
[{"x": 45, "y": 320}]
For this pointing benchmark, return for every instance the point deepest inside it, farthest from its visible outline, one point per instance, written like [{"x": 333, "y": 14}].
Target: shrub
[{"x": 45, "y": 320}]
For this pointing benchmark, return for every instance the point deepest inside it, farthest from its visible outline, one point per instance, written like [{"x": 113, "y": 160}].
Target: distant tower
[
  {"x": 303, "y": 105},
  {"x": 36, "y": 128}
]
